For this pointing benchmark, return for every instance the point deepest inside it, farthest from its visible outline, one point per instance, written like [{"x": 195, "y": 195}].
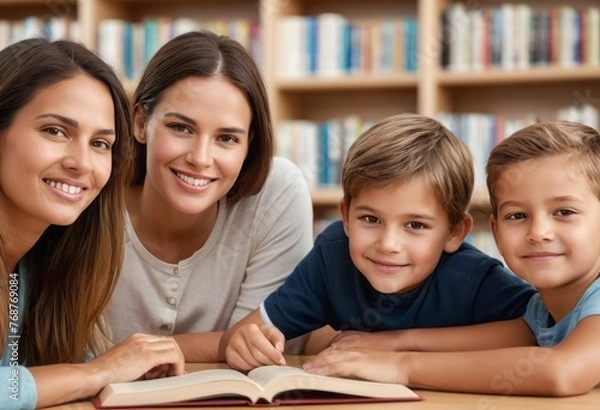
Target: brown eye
[
  {"x": 370, "y": 219},
  {"x": 179, "y": 128},
  {"x": 416, "y": 225},
  {"x": 228, "y": 138},
  {"x": 102, "y": 144},
  {"x": 54, "y": 131}
]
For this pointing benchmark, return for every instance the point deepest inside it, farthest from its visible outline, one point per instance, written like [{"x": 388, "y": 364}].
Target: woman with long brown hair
[
  {"x": 214, "y": 221},
  {"x": 64, "y": 161}
]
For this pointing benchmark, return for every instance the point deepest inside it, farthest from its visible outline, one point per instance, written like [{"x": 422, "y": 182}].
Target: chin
[
  {"x": 64, "y": 220},
  {"x": 386, "y": 289}
]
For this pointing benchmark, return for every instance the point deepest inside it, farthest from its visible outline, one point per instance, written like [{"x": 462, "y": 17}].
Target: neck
[
  {"x": 167, "y": 234},
  {"x": 562, "y": 300},
  {"x": 18, "y": 236}
]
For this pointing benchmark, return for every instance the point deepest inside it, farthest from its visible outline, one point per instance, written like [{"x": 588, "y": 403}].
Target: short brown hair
[
  {"x": 543, "y": 140},
  {"x": 206, "y": 54},
  {"x": 404, "y": 146}
]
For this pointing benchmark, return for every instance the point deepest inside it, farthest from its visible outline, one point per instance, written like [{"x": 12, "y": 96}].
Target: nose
[
  {"x": 79, "y": 157},
  {"x": 200, "y": 153},
  {"x": 540, "y": 229},
  {"x": 389, "y": 241}
]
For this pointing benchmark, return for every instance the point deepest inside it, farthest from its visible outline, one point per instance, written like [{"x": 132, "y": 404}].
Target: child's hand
[
  {"x": 255, "y": 345},
  {"x": 359, "y": 364},
  {"x": 352, "y": 339}
]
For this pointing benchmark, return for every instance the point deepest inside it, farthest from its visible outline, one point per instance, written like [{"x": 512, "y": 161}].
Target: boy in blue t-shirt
[
  {"x": 544, "y": 184},
  {"x": 397, "y": 259}
]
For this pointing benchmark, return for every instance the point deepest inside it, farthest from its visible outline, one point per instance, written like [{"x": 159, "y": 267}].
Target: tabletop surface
[{"x": 434, "y": 400}]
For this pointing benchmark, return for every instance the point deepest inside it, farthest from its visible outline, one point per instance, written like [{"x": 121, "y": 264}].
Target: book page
[
  {"x": 279, "y": 379},
  {"x": 263, "y": 375},
  {"x": 196, "y": 385}
]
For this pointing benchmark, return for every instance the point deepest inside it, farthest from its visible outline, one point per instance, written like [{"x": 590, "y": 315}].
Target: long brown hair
[
  {"x": 71, "y": 270},
  {"x": 206, "y": 54}
]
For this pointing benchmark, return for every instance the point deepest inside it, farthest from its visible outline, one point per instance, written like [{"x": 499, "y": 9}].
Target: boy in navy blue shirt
[
  {"x": 545, "y": 194},
  {"x": 397, "y": 260}
]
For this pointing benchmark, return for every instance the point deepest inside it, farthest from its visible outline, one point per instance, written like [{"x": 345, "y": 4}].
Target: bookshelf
[
  {"x": 429, "y": 90},
  {"x": 433, "y": 89}
]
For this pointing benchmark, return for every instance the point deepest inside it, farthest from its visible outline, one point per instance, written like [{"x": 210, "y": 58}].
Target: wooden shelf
[
  {"x": 480, "y": 207},
  {"x": 350, "y": 82},
  {"x": 27, "y": 2},
  {"x": 326, "y": 196},
  {"x": 530, "y": 76}
]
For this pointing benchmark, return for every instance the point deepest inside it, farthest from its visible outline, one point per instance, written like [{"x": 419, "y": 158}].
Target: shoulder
[
  {"x": 333, "y": 234},
  {"x": 283, "y": 169},
  {"x": 536, "y": 314},
  {"x": 469, "y": 258},
  {"x": 284, "y": 201},
  {"x": 470, "y": 265},
  {"x": 285, "y": 165},
  {"x": 589, "y": 303},
  {"x": 285, "y": 178}
]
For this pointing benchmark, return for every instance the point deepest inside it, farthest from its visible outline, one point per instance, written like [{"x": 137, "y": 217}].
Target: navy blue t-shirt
[{"x": 467, "y": 287}]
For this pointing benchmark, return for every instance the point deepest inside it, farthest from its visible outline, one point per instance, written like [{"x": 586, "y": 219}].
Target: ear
[
  {"x": 139, "y": 125},
  {"x": 343, "y": 207},
  {"x": 458, "y": 234}
]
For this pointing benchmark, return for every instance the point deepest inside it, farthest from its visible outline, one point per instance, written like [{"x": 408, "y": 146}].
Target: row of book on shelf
[
  {"x": 128, "y": 46},
  {"x": 518, "y": 36},
  {"x": 319, "y": 148},
  {"x": 509, "y": 36},
  {"x": 52, "y": 28},
  {"x": 329, "y": 44},
  {"x": 481, "y": 132}
]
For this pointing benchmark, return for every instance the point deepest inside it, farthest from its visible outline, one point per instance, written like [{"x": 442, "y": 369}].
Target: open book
[{"x": 271, "y": 384}]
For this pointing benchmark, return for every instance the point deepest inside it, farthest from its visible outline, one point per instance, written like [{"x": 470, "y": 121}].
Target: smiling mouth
[
  {"x": 388, "y": 265},
  {"x": 545, "y": 256},
  {"x": 61, "y": 186},
  {"x": 192, "y": 181}
]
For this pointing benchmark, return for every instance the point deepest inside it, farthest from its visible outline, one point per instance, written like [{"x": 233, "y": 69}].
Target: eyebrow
[
  {"x": 72, "y": 123},
  {"x": 409, "y": 216},
  {"x": 558, "y": 199},
  {"x": 231, "y": 130},
  {"x": 566, "y": 198}
]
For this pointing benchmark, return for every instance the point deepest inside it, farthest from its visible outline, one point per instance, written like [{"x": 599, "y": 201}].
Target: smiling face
[
  {"x": 197, "y": 139},
  {"x": 547, "y": 223},
  {"x": 56, "y": 155},
  {"x": 397, "y": 234}
]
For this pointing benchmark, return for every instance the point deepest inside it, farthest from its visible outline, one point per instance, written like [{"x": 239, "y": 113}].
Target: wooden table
[{"x": 434, "y": 400}]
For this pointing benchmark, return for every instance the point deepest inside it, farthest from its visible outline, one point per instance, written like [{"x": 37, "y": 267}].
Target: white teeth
[
  {"x": 69, "y": 189},
  {"x": 192, "y": 181}
]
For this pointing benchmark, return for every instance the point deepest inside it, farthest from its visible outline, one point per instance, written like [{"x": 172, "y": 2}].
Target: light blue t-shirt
[
  {"x": 17, "y": 386},
  {"x": 538, "y": 317}
]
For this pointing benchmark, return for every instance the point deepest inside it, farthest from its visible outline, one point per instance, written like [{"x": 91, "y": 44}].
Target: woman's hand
[{"x": 140, "y": 356}]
